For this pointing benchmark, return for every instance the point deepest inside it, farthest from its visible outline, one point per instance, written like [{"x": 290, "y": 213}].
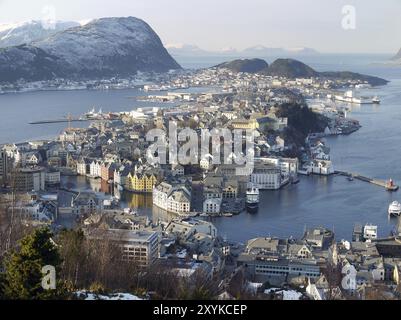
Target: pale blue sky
[{"x": 216, "y": 24}]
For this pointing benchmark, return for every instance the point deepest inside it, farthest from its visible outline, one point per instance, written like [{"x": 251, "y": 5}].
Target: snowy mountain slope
[
  {"x": 107, "y": 47},
  {"x": 26, "y": 32}
]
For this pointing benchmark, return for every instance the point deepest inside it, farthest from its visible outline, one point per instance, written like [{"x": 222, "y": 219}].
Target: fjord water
[{"x": 334, "y": 202}]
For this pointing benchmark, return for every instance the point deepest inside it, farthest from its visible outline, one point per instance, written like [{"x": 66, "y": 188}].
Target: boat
[
  {"x": 252, "y": 199},
  {"x": 93, "y": 115},
  {"x": 394, "y": 209},
  {"x": 376, "y": 100},
  {"x": 229, "y": 215},
  {"x": 350, "y": 178},
  {"x": 349, "y": 97}
]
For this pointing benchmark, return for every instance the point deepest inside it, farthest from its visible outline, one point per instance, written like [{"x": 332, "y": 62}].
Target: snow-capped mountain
[
  {"x": 26, "y": 32},
  {"x": 103, "y": 48}
]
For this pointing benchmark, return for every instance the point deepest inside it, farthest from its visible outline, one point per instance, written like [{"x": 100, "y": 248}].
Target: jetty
[
  {"x": 388, "y": 185},
  {"x": 57, "y": 121}
]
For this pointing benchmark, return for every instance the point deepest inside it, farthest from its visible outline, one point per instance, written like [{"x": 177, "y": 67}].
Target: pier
[
  {"x": 388, "y": 185},
  {"x": 70, "y": 119},
  {"x": 57, "y": 121}
]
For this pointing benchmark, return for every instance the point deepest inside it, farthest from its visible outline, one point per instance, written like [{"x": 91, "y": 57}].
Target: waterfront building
[
  {"x": 321, "y": 167},
  {"x": 212, "y": 205},
  {"x": 83, "y": 167},
  {"x": 266, "y": 177},
  {"x": 230, "y": 189},
  {"x": 319, "y": 238},
  {"x": 175, "y": 199},
  {"x": 95, "y": 169},
  {"x": 137, "y": 182},
  {"x": 288, "y": 166},
  {"x": 121, "y": 175},
  {"x": 107, "y": 171}
]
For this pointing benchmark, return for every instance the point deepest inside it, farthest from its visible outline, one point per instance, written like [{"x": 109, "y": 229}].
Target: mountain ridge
[
  {"x": 29, "y": 31},
  {"x": 106, "y": 47}
]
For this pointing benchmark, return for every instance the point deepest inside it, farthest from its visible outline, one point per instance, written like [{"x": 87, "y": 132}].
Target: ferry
[
  {"x": 252, "y": 199},
  {"x": 394, "y": 209},
  {"x": 92, "y": 114},
  {"x": 350, "y": 98}
]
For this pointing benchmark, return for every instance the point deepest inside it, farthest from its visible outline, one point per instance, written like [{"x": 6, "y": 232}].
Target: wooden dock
[{"x": 388, "y": 185}]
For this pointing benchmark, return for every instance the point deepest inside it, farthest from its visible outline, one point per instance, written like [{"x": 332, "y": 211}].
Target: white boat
[
  {"x": 394, "y": 209},
  {"x": 376, "y": 100},
  {"x": 370, "y": 232},
  {"x": 349, "y": 97},
  {"x": 252, "y": 199}
]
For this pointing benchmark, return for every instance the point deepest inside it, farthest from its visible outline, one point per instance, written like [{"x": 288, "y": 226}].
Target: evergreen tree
[{"x": 23, "y": 267}]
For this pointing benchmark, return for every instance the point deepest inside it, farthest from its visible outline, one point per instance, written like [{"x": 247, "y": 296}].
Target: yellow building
[
  {"x": 141, "y": 182},
  {"x": 243, "y": 124}
]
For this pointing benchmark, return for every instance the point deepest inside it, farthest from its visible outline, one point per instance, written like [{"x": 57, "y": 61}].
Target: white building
[
  {"x": 82, "y": 167},
  {"x": 206, "y": 162},
  {"x": 212, "y": 205},
  {"x": 95, "y": 169},
  {"x": 266, "y": 177},
  {"x": 172, "y": 199},
  {"x": 321, "y": 167}
]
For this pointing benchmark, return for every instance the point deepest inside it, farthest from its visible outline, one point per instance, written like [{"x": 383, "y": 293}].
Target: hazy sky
[{"x": 216, "y": 24}]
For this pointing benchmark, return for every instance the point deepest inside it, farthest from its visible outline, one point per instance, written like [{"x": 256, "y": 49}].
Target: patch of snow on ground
[
  {"x": 115, "y": 296},
  {"x": 287, "y": 294}
]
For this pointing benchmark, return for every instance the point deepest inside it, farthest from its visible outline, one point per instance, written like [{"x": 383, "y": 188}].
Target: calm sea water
[{"x": 334, "y": 202}]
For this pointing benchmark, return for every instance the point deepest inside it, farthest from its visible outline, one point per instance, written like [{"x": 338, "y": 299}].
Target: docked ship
[
  {"x": 349, "y": 97},
  {"x": 394, "y": 209},
  {"x": 252, "y": 199},
  {"x": 93, "y": 115}
]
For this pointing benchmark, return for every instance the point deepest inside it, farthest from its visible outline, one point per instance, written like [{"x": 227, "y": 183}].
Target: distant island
[
  {"x": 290, "y": 68},
  {"x": 188, "y": 50}
]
